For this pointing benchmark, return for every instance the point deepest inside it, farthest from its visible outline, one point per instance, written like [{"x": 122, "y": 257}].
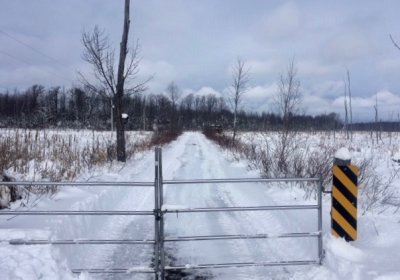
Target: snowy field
[
  {"x": 52, "y": 154},
  {"x": 375, "y": 255}
]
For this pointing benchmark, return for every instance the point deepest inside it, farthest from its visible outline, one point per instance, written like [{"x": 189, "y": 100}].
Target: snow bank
[
  {"x": 31, "y": 262},
  {"x": 339, "y": 249},
  {"x": 373, "y": 256},
  {"x": 55, "y": 262},
  {"x": 345, "y": 260},
  {"x": 342, "y": 261}
]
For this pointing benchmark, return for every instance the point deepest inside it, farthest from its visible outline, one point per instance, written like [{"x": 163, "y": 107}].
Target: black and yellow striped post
[{"x": 344, "y": 201}]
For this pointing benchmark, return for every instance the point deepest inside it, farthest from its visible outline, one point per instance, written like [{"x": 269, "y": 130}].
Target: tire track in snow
[
  {"x": 194, "y": 157},
  {"x": 127, "y": 227},
  {"x": 239, "y": 222},
  {"x": 263, "y": 222},
  {"x": 203, "y": 159},
  {"x": 116, "y": 227},
  {"x": 199, "y": 161}
]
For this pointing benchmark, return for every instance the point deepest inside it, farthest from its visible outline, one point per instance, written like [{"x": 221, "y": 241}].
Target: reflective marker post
[{"x": 344, "y": 199}]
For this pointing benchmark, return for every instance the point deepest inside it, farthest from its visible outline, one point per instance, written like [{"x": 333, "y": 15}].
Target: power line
[
  {"x": 38, "y": 52},
  {"x": 33, "y": 49},
  {"x": 30, "y": 64},
  {"x": 15, "y": 58}
]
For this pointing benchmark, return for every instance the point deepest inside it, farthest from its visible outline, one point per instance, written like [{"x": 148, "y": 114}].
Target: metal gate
[{"x": 159, "y": 267}]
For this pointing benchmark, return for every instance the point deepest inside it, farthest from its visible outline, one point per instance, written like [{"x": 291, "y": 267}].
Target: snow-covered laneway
[
  {"x": 201, "y": 159},
  {"x": 192, "y": 156}
]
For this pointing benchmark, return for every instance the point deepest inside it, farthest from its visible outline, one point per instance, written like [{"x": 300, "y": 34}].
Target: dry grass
[
  {"x": 58, "y": 155},
  {"x": 298, "y": 156}
]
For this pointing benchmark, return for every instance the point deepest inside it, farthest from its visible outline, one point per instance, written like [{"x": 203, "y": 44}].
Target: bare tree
[
  {"x": 144, "y": 113},
  {"x": 346, "y": 111},
  {"x": 288, "y": 96},
  {"x": 173, "y": 93},
  {"x": 240, "y": 79},
  {"x": 287, "y": 99},
  {"x": 113, "y": 82},
  {"x": 350, "y": 106},
  {"x": 398, "y": 47},
  {"x": 376, "y": 118}
]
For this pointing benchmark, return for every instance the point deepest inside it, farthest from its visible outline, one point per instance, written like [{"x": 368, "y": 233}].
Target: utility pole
[
  {"x": 112, "y": 115},
  {"x": 144, "y": 113}
]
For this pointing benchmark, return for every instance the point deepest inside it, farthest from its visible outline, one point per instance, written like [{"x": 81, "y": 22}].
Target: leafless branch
[
  {"x": 288, "y": 96},
  {"x": 132, "y": 68},
  {"x": 140, "y": 87},
  {"x": 112, "y": 77},
  {"x": 240, "y": 79},
  {"x": 394, "y": 42},
  {"x": 97, "y": 53}
]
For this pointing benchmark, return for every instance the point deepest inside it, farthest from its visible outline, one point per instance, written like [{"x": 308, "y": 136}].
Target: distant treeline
[
  {"x": 40, "y": 107},
  {"x": 377, "y": 126}
]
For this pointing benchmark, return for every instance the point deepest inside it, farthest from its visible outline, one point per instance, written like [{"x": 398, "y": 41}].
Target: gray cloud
[{"x": 195, "y": 43}]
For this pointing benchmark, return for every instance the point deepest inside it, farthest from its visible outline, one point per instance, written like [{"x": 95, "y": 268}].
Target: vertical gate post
[
  {"x": 320, "y": 244},
  {"x": 161, "y": 200},
  {"x": 156, "y": 215}
]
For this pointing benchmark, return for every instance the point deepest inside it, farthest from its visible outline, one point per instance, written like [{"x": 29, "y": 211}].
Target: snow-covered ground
[
  {"x": 58, "y": 155},
  {"x": 375, "y": 255},
  {"x": 51, "y": 154}
]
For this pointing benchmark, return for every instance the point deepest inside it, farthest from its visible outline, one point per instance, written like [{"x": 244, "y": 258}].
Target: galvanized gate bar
[
  {"x": 76, "y": 213},
  {"x": 78, "y": 242},
  {"x": 79, "y": 184},
  {"x": 239, "y": 180},
  {"x": 244, "y": 264},
  {"x": 73, "y": 213},
  {"x": 249, "y": 208},
  {"x": 114, "y": 270},
  {"x": 317, "y": 234},
  {"x": 240, "y": 236},
  {"x": 159, "y": 236}
]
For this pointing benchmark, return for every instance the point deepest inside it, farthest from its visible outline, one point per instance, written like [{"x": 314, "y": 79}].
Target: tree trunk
[
  {"x": 234, "y": 124},
  {"x": 119, "y": 124},
  {"x": 121, "y": 154}
]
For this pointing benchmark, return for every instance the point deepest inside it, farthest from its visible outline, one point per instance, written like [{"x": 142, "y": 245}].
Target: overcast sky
[{"x": 195, "y": 44}]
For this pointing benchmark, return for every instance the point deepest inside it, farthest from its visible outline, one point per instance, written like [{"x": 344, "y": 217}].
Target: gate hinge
[{"x": 157, "y": 214}]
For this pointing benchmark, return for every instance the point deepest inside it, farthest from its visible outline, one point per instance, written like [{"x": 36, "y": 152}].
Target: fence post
[{"x": 344, "y": 196}]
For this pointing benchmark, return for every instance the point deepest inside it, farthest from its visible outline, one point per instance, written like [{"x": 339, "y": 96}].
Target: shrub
[{"x": 56, "y": 156}]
